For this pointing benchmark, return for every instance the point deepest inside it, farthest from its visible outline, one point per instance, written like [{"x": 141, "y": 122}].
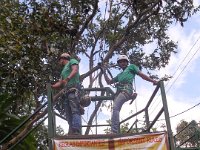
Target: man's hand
[
  {"x": 102, "y": 67},
  {"x": 64, "y": 82},
  {"x": 57, "y": 85},
  {"x": 155, "y": 82}
]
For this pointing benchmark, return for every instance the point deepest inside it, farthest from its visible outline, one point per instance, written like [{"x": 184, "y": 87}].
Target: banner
[{"x": 152, "y": 141}]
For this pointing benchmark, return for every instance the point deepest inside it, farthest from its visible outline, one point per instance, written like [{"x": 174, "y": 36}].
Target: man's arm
[
  {"x": 57, "y": 84},
  {"x": 147, "y": 78},
  {"x": 108, "y": 80}
]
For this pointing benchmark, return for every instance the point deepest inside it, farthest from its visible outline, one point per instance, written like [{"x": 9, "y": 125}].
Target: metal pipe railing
[
  {"x": 109, "y": 96},
  {"x": 30, "y": 131}
]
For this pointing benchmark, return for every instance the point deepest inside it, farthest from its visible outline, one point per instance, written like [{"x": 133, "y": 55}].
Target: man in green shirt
[
  {"x": 70, "y": 80},
  {"x": 124, "y": 85}
]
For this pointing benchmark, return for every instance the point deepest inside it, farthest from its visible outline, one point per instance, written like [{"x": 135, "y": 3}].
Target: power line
[
  {"x": 185, "y": 110},
  {"x": 179, "y": 76},
  {"x": 176, "y": 114},
  {"x": 185, "y": 57},
  {"x": 181, "y": 112},
  {"x": 182, "y": 69}
]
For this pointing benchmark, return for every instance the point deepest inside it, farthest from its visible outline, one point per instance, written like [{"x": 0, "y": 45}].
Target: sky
[{"x": 182, "y": 90}]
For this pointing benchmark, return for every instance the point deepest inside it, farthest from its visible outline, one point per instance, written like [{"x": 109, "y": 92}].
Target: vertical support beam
[
  {"x": 96, "y": 118},
  {"x": 167, "y": 119},
  {"x": 175, "y": 142},
  {"x": 136, "y": 127},
  {"x": 147, "y": 118},
  {"x": 197, "y": 137},
  {"x": 51, "y": 125}
]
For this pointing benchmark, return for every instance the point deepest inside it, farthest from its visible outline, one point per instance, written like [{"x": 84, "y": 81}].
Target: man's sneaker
[{"x": 75, "y": 132}]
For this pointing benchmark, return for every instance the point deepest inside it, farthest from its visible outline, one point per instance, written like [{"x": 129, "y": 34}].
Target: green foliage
[
  {"x": 9, "y": 121},
  {"x": 124, "y": 128},
  {"x": 33, "y": 34},
  {"x": 188, "y": 134}
]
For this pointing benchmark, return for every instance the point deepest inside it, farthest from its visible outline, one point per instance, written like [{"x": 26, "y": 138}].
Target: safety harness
[
  {"x": 126, "y": 88},
  {"x": 79, "y": 93}
]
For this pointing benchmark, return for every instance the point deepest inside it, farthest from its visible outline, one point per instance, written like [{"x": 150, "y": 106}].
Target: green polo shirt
[
  {"x": 125, "y": 78},
  {"x": 67, "y": 70}
]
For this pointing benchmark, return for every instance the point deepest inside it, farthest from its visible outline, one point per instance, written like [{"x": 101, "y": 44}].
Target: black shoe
[{"x": 75, "y": 132}]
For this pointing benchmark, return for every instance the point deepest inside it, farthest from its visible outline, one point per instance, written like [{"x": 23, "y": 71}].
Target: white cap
[
  {"x": 65, "y": 55},
  {"x": 122, "y": 57}
]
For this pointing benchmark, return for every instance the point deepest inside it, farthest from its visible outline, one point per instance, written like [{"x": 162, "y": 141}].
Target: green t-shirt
[
  {"x": 125, "y": 78},
  {"x": 67, "y": 70}
]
